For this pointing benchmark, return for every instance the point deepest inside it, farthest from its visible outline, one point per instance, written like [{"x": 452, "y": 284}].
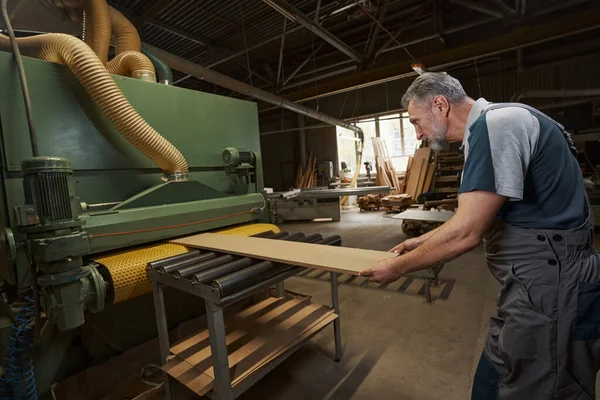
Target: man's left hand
[{"x": 385, "y": 271}]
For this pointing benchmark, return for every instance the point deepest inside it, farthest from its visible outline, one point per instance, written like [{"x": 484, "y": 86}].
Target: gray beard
[{"x": 439, "y": 143}]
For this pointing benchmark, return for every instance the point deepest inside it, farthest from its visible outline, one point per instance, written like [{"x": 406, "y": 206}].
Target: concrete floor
[{"x": 395, "y": 346}]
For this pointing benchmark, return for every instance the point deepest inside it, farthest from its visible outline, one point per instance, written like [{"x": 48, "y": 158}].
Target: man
[{"x": 522, "y": 193}]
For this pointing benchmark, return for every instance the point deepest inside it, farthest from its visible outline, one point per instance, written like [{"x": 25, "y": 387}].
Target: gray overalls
[{"x": 544, "y": 341}]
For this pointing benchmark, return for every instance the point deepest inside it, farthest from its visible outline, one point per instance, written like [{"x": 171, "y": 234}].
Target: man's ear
[{"x": 441, "y": 105}]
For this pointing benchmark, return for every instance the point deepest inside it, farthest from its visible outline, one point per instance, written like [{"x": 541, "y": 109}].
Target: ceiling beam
[
  {"x": 479, "y": 6},
  {"x": 292, "y": 13},
  {"x": 569, "y": 25},
  {"x": 506, "y": 11},
  {"x": 373, "y": 39}
]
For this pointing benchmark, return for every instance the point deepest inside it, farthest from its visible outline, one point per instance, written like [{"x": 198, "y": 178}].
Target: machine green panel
[{"x": 69, "y": 125}]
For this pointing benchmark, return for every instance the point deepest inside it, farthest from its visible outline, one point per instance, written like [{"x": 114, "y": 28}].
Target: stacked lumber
[
  {"x": 307, "y": 177},
  {"x": 369, "y": 202},
  {"x": 386, "y": 173},
  {"x": 419, "y": 173},
  {"x": 449, "y": 171},
  {"x": 396, "y": 202}
]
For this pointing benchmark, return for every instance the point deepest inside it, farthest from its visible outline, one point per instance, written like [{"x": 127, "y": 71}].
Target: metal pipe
[
  {"x": 209, "y": 75},
  {"x": 210, "y": 260},
  {"x": 259, "y": 286},
  {"x": 303, "y": 63},
  {"x": 279, "y": 235},
  {"x": 184, "y": 263},
  {"x": 335, "y": 240},
  {"x": 198, "y": 269},
  {"x": 209, "y": 275},
  {"x": 265, "y": 235},
  {"x": 230, "y": 283},
  {"x": 554, "y": 93},
  {"x": 320, "y": 77},
  {"x": 286, "y": 9},
  {"x": 173, "y": 259},
  {"x": 280, "y": 65}
]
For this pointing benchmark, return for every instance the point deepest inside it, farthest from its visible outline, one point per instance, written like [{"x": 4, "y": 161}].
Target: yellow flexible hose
[
  {"x": 93, "y": 76},
  {"x": 133, "y": 64},
  {"x": 125, "y": 34},
  {"x": 96, "y": 27},
  {"x": 129, "y": 61}
]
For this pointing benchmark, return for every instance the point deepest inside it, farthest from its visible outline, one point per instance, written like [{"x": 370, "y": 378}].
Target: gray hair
[{"x": 431, "y": 84}]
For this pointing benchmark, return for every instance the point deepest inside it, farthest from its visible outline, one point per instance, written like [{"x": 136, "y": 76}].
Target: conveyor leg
[
  {"x": 337, "y": 330},
  {"x": 428, "y": 299},
  {"x": 163, "y": 331},
  {"x": 161, "y": 321},
  {"x": 279, "y": 289},
  {"x": 218, "y": 347}
]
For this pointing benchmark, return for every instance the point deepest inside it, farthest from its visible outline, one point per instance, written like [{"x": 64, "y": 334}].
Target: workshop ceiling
[{"x": 243, "y": 38}]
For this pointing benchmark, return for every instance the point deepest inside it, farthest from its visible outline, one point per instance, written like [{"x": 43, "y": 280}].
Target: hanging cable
[{"x": 22, "y": 78}]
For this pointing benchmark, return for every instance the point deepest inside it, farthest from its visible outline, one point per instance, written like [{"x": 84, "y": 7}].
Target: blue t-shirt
[{"x": 521, "y": 155}]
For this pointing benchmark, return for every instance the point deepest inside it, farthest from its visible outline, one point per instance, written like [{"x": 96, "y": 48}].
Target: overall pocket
[{"x": 587, "y": 321}]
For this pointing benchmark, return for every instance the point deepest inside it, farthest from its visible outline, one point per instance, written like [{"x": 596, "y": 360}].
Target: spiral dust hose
[
  {"x": 96, "y": 27},
  {"x": 93, "y": 76},
  {"x": 134, "y": 64},
  {"x": 129, "y": 61},
  {"x": 125, "y": 34}
]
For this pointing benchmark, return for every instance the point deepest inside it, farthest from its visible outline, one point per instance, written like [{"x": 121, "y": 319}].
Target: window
[{"x": 396, "y": 131}]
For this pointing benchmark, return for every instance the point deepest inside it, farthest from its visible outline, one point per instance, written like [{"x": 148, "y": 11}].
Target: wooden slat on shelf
[
  {"x": 254, "y": 338},
  {"x": 429, "y": 177}
]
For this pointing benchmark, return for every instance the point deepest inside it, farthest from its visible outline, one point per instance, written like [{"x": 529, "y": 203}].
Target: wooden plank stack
[
  {"x": 255, "y": 337},
  {"x": 306, "y": 177},
  {"x": 396, "y": 203},
  {"x": 419, "y": 173},
  {"x": 386, "y": 173},
  {"x": 449, "y": 169}
]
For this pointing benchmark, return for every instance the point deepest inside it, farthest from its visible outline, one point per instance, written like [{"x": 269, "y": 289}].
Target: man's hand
[
  {"x": 407, "y": 245},
  {"x": 385, "y": 271}
]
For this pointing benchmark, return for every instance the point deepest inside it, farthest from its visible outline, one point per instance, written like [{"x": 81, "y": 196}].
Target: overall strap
[{"x": 567, "y": 135}]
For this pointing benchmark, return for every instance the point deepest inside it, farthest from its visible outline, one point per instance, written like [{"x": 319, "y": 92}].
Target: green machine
[{"x": 74, "y": 218}]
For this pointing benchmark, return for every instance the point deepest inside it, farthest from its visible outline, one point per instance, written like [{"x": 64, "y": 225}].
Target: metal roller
[
  {"x": 184, "y": 263},
  {"x": 240, "y": 279},
  {"x": 279, "y": 235},
  {"x": 233, "y": 282},
  {"x": 204, "y": 266},
  {"x": 173, "y": 259},
  {"x": 209, "y": 275},
  {"x": 335, "y": 240},
  {"x": 294, "y": 236},
  {"x": 315, "y": 238},
  {"x": 265, "y": 235}
]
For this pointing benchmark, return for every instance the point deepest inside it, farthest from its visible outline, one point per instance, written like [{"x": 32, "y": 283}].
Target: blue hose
[{"x": 18, "y": 379}]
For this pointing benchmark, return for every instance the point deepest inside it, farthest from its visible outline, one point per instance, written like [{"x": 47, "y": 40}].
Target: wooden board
[
  {"x": 254, "y": 338},
  {"x": 421, "y": 182},
  {"x": 429, "y": 177},
  {"x": 331, "y": 258}
]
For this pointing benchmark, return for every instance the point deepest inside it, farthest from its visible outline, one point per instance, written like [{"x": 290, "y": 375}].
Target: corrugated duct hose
[
  {"x": 93, "y": 76},
  {"x": 129, "y": 61},
  {"x": 96, "y": 27}
]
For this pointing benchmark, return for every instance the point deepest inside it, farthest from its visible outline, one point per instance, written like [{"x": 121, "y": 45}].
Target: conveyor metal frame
[{"x": 216, "y": 326}]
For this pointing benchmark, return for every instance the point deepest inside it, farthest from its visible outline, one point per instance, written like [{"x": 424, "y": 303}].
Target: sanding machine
[{"x": 81, "y": 220}]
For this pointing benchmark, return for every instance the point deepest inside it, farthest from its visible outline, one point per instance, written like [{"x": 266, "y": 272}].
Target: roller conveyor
[
  {"x": 225, "y": 274},
  {"x": 225, "y": 279}
]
